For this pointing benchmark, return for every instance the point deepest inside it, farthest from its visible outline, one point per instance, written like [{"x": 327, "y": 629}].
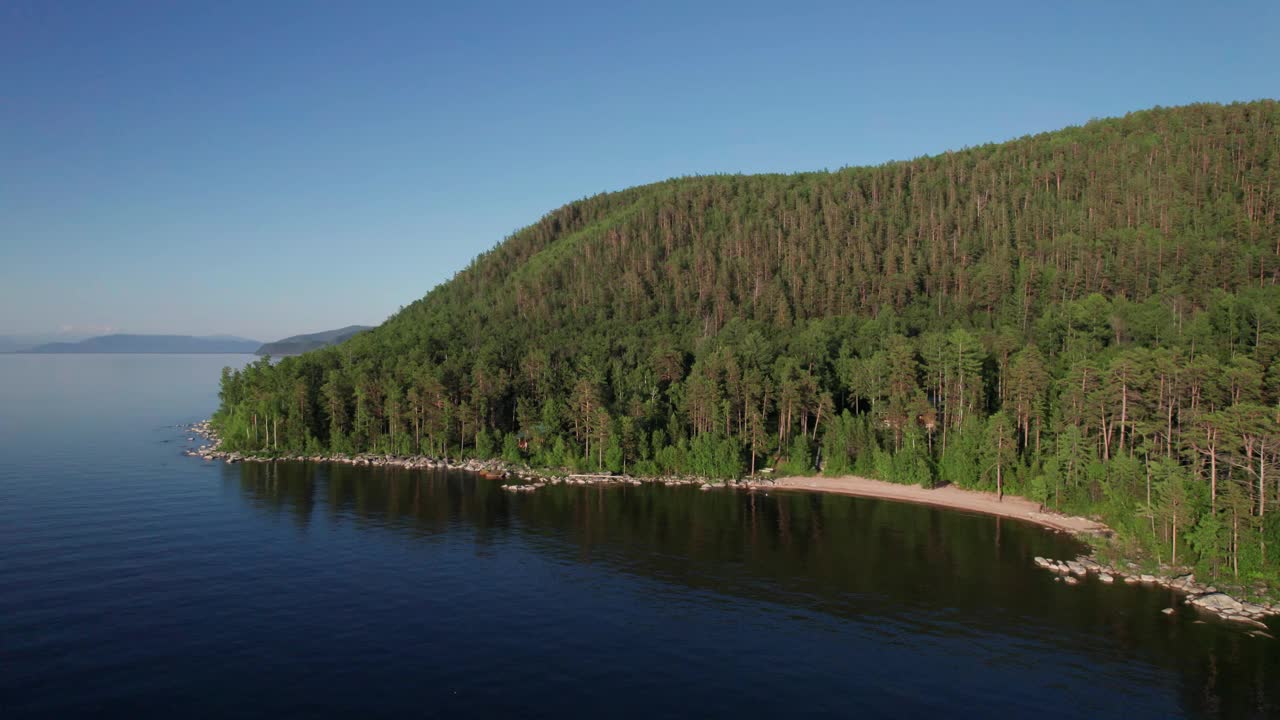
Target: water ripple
[{"x": 135, "y": 582}]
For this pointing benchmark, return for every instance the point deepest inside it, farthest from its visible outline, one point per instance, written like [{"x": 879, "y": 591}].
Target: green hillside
[{"x": 1089, "y": 317}]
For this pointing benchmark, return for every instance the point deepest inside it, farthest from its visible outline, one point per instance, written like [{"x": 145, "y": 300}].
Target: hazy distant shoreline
[
  {"x": 126, "y": 352},
  {"x": 131, "y": 344},
  {"x": 151, "y": 344}
]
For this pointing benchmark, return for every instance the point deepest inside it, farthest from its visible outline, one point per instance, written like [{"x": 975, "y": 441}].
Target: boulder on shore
[{"x": 1217, "y": 602}]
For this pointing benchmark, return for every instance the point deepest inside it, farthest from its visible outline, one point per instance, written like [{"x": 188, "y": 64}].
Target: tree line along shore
[
  {"x": 1088, "y": 318},
  {"x": 522, "y": 479}
]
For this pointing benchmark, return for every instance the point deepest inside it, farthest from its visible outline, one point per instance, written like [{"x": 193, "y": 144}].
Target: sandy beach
[{"x": 948, "y": 497}]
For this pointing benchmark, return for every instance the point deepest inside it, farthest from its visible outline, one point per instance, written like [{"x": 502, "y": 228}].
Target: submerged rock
[{"x": 1244, "y": 621}]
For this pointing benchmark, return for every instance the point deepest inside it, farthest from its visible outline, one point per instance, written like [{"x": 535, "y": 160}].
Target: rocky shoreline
[
  {"x": 1204, "y": 598},
  {"x": 522, "y": 479}
]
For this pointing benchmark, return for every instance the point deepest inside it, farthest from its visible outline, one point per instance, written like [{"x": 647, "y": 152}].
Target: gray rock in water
[
  {"x": 1106, "y": 578},
  {"x": 1167, "y": 611},
  {"x": 1245, "y": 621},
  {"x": 1218, "y": 602}
]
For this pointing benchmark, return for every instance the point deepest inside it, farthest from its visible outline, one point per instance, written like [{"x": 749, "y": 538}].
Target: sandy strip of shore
[{"x": 948, "y": 497}]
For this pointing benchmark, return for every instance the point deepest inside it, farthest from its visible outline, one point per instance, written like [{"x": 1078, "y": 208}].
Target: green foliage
[
  {"x": 799, "y": 460},
  {"x": 714, "y": 456},
  {"x": 911, "y": 465},
  {"x": 484, "y": 444},
  {"x": 1088, "y": 317},
  {"x": 1039, "y": 488},
  {"x": 840, "y": 445},
  {"x": 613, "y": 458},
  {"x": 511, "y": 449},
  {"x": 959, "y": 463}
]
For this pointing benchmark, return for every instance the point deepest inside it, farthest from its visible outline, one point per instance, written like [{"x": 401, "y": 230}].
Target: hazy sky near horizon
[{"x": 266, "y": 169}]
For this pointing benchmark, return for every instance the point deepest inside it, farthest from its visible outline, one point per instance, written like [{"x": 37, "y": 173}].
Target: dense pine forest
[{"x": 1088, "y": 317}]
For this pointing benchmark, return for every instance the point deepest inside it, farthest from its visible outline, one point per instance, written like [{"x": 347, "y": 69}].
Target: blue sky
[{"x": 269, "y": 168}]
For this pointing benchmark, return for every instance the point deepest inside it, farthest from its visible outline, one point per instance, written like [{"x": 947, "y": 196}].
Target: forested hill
[
  {"x": 298, "y": 344},
  {"x": 1088, "y": 316}
]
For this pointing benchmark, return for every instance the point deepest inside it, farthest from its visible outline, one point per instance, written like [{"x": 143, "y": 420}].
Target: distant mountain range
[
  {"x": 149, "y": 344},
  {"x": 122, "y": 343},
  {"x": 299, "y": 344},
  {"x": 17, "y": 343}
]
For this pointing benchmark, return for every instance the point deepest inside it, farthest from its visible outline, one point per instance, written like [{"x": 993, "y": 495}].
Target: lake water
[{"x": 136, "y": 582}]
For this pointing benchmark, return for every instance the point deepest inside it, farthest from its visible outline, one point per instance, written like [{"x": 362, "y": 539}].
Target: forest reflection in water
[{"x": 896, "y": 569}]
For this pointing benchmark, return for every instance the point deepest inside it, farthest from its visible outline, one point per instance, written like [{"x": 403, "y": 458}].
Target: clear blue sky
[{"x": 268, "y": 168}]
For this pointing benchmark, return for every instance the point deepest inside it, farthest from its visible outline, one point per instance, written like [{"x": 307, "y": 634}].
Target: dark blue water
[{"x": 135, "y": 582}]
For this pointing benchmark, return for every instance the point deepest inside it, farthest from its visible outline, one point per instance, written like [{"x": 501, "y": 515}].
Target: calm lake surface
[{"x": 136, "y": 582}]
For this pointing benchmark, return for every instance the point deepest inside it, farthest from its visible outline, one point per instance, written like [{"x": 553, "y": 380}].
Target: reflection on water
[
  {"x": 135, "y": 582},
  {"x": 903, "y": 572}
]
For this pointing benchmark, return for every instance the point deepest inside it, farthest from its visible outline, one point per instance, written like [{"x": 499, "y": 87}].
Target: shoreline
[
  {"x": 523, "y": 479},
  {"x": 947, "y": 496},
  {"x": 527, "y": 479},
  {"x": 1202, "y": 597}
]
